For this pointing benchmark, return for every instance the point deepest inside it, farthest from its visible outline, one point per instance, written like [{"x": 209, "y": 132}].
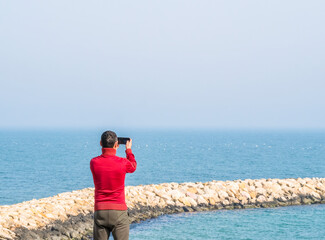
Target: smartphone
[{"x": 123, "y": 140}]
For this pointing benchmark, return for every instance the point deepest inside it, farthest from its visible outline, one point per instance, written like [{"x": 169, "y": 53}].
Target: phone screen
[{"x": 123, "y": 140}]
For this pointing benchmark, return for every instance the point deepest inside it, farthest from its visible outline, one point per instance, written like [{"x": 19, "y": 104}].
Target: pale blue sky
[{"x": 202, "y": 64}]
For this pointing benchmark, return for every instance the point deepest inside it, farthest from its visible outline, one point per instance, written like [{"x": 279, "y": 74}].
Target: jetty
[{"x": 69, "y": 215}]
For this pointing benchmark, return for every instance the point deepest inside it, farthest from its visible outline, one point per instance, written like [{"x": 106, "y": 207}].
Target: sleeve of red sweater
[{"x": 129, "y": 161}]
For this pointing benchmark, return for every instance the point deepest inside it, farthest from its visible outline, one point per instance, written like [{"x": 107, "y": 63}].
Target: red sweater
[{"x": 108, "y": 172}]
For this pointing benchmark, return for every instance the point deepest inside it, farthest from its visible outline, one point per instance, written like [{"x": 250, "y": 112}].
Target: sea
[{"x": 42, "y": 163}]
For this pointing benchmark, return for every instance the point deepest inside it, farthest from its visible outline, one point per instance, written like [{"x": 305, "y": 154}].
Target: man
[{"x": 108, "y": 170}]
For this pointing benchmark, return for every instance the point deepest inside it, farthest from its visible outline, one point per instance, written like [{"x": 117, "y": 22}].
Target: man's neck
[{"x": 108, "y": 151}]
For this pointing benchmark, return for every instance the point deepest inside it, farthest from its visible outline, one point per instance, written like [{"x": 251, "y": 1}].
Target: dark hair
[{"x": 108, "y": 139}]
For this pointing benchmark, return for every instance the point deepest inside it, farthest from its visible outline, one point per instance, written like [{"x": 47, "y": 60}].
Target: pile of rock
[{"x": 70, "y": 215}]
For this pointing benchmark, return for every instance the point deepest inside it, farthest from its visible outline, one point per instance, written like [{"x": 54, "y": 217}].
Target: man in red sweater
[{"x": 108, "y": 170}]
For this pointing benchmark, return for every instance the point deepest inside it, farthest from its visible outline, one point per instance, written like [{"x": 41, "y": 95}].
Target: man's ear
[{"x": 100, "y": 143}]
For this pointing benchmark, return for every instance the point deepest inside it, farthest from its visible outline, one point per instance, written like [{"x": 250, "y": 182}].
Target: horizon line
[{"x": 82, "y": 128}]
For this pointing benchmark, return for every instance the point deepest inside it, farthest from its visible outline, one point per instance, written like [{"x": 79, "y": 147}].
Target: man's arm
[
  {"x": 91, "y": 166},
  {"x": 130, "y": 163}
]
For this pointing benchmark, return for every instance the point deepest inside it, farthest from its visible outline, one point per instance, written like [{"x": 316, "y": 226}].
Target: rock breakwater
[{"x": 69, "y": 215}]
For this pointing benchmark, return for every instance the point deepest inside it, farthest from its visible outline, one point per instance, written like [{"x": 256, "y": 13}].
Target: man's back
[{"x": 108, "y": 172}]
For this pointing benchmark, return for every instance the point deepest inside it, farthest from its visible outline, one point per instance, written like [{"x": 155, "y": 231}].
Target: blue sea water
[
  {"x": 42, "y": 163},
  {"x": 294, "y": 222}
]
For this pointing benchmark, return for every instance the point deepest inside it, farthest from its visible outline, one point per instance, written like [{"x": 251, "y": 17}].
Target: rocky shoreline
[{"x": 69, "y": 215}]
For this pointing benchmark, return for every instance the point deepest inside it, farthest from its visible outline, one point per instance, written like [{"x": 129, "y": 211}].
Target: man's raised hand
[{"x": 128, "y": 144}]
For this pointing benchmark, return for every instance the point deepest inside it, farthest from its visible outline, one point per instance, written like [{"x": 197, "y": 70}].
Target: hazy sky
[{"x": 221, "y": 64}]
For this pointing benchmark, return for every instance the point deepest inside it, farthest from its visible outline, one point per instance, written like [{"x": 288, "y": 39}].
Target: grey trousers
[{"x": 115, "y": 221}]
